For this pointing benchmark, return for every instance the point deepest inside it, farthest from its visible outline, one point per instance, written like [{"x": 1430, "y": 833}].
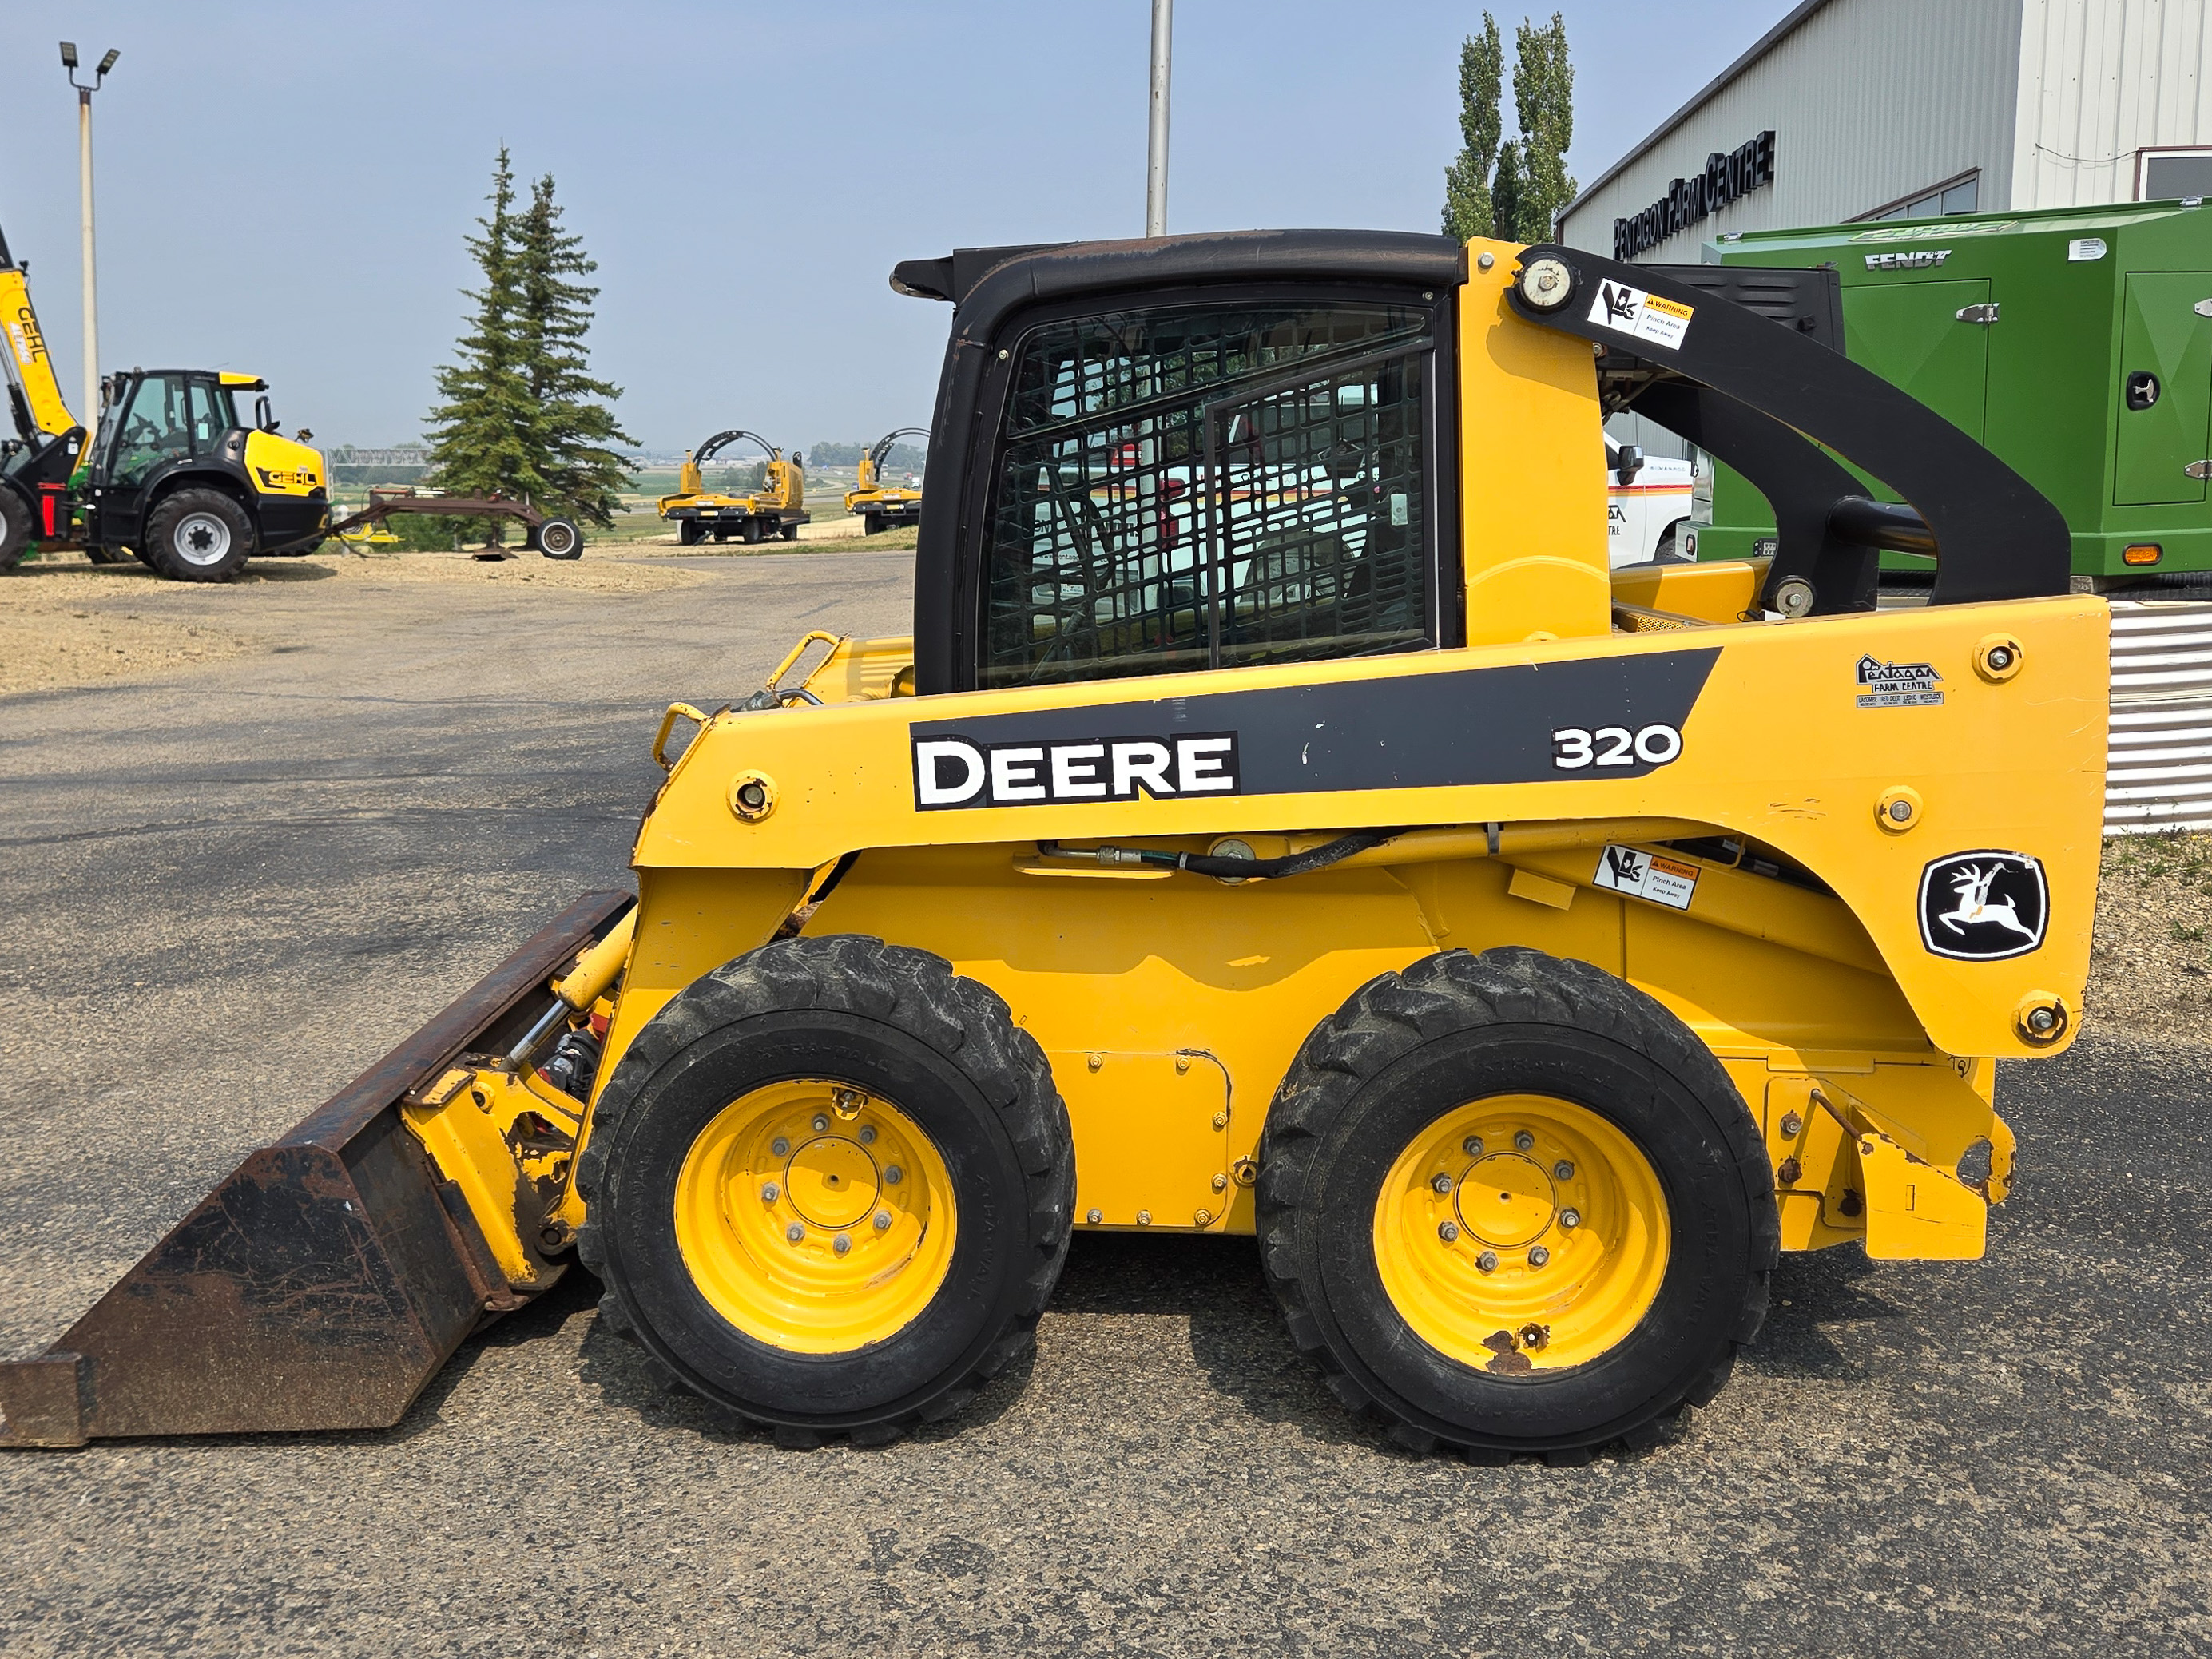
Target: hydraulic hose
[{"x": 1202, "y": 864}]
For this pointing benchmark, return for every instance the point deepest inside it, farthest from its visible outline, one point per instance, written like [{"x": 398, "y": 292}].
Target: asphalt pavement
[{"x": 224, "y": 893}]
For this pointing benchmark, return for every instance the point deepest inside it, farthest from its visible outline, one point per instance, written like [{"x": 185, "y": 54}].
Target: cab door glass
[
  {"x": 1206, "y": 486},
  {"x": 211, "y": 416},
  {"x": 154, "y": 430}
]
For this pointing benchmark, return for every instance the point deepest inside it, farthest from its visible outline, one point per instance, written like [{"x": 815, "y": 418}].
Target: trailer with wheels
[
  {"x": 774, "y": 511},
  {"x": 880, "y": 506}
]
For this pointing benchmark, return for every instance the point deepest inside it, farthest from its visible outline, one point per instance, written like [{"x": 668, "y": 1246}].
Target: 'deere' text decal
[{"x": 953, "y": 771}]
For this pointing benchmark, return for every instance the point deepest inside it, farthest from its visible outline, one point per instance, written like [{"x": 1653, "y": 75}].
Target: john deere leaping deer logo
[{"x": 1982, "y": 907}]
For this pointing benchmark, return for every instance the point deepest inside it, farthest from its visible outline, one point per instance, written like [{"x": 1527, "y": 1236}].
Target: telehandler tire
[
  {"x": 830, "y": 1188},
  {"x": 688, "y": 532},
  {"x": 15, "y": 528},
  {"x": 872, "y": 524},
  {"x": 198, "y": 536},
  {"x": 789, "y": 531},
  {"x": 1511, "y": 1205}
]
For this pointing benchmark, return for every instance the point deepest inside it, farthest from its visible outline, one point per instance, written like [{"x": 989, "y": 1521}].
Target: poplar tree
[
  {"x": 1544, "y": 100},
  {"x": 1513, "y": 189},
  {"x": 480, "y": 433},
  {"x": 1468, "y": 209},
  {"x": 572, "y": 428}
]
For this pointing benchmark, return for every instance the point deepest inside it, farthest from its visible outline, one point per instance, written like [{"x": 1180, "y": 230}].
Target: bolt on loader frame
[{"x": 1280, "y": 823}]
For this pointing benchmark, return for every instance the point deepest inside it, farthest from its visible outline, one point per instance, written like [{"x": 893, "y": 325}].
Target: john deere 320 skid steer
[{"x": 1280, "y": 823}]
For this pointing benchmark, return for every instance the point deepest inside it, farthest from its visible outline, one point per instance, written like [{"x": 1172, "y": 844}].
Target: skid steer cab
[
  {"x": 179, "y": 476},
  {"x": 1281, "y": 822}
]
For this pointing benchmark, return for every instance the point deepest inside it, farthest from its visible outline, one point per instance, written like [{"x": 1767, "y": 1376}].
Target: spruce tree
[
  {"x": 571, "y": 427},
  {"x": 1467, "y": 207},
  {"x": 1544, "y": 100},
  {"x": 480, "y": 433}
]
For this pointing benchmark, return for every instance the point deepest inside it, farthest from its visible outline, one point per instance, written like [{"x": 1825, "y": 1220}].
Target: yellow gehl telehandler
[
  {"x": 776, "y": 508},
  {"x": 1280, "y": 823},
  {"x": 176, "y": 476},
  {"x": 881, "y": 506}
]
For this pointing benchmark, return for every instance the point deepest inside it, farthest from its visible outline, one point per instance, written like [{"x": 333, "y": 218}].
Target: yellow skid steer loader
[{"x": 1280, "y": 823}]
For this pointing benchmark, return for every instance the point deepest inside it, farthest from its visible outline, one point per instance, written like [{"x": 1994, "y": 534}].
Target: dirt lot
[{"x": 229, "y": 883}]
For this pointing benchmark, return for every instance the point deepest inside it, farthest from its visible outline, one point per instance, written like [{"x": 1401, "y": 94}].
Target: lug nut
[
  {"x": 893, "y": 1175},
  {"x": 1487, "y": 1261},
  {"x": 1472, "y": 1145},
  {"x": 1094, "y": 1217},
  {"x": 841, "y": 1243},
  {"x": 867, "y": 1134},
  {"x": 795, "y": 1233},
  {"x": 1570, "y": 1219},
  {"x": 780, "y": 1146},
  {"x": 1441, "y": 1185},
  {"x": 1522, "y": 1140},
  {"x": 1563, "y": 1170},
  {"x": 882, "y": 1221},
  {"x": 1538, "y": 1256},
  {"x": 770, "y": 1192},
  {"x": 1449, "y": 1233},
  {"x": 821, "y": 1122}
]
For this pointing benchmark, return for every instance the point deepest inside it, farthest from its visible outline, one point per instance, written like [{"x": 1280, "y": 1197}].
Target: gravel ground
[{"x": 228, "y": 887}]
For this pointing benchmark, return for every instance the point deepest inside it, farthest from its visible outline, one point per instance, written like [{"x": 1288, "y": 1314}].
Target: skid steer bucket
[{"x": 328, "y": 1277}]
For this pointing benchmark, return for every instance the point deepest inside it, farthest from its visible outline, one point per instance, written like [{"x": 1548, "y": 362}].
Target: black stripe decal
[{"x": 1476, "y": 726}]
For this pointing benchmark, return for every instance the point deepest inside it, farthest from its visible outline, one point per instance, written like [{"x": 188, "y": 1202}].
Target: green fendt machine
[{"x": 2074, "y": 343}]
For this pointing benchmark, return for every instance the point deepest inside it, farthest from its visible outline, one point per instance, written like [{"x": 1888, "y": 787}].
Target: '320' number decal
[{"x": 1574, "y": 747}]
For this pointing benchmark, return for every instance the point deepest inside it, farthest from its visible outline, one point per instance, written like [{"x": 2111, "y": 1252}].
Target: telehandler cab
[
  {"x": 1280, "y": 823},
  {"x": 777, "y": 508},
  {"x": 175, "y": 475}
]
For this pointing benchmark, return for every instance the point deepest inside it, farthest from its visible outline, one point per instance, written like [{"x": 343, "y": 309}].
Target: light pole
[
  {"x": 1156, "y": 149},
  {"x": 91, "y": 416}
]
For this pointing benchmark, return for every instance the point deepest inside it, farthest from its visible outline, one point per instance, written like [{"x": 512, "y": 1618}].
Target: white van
[{"x": 1648, "y": 505}]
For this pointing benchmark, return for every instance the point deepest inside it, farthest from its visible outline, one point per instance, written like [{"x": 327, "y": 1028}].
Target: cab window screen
[{"x": 1207, "y": 487}]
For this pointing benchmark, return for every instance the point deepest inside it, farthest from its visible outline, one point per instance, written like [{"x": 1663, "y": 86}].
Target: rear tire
[
  {"x": 931, "y": 1221},
  {"x": 15, "y": 523},
  {"x": 1669, "y": 548},
  {"x": 1561, "y": 1089},
  {"x": 198, "y": 536},
  {"x": 752, "y": 532},
  {"x": 560, "y": 539},
  {"x": 790, "y": 532},
  {"x": 872, "y": 524},
  {"x": 688, "y": 531}
]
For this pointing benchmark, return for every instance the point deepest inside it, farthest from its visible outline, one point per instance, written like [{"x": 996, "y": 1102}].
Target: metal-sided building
[{"x": 1872, "y": 109}]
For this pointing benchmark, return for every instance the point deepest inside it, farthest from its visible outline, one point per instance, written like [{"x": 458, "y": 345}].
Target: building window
[
  {"x": 2167, "y": 175},
  {"x": 1959, "y": 194}
]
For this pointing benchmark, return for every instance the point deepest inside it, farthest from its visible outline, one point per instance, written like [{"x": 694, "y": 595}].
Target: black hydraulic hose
[{"x": 1202, "y": 864}]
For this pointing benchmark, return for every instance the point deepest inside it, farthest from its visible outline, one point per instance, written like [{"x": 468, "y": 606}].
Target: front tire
[
  {"x": 688, "y": 532},
  {"x": 15, "y": 528},
  {"x": 790, "y": 532},
  {"x": 872, "y": 524},
  {"x": 198, "y": 536},
  {"x": 830, "y": 1188},
  {"x": 1511, "y": 1205}
]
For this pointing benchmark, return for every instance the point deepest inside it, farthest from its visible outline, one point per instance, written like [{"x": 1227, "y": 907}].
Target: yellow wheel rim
[
  {"x": 1521, "y": 1233},
  {"x": 814, "y": 1218}
]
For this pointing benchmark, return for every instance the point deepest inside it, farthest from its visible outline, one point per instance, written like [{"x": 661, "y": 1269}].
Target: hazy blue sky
[{"x": 283, "y": 187}]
